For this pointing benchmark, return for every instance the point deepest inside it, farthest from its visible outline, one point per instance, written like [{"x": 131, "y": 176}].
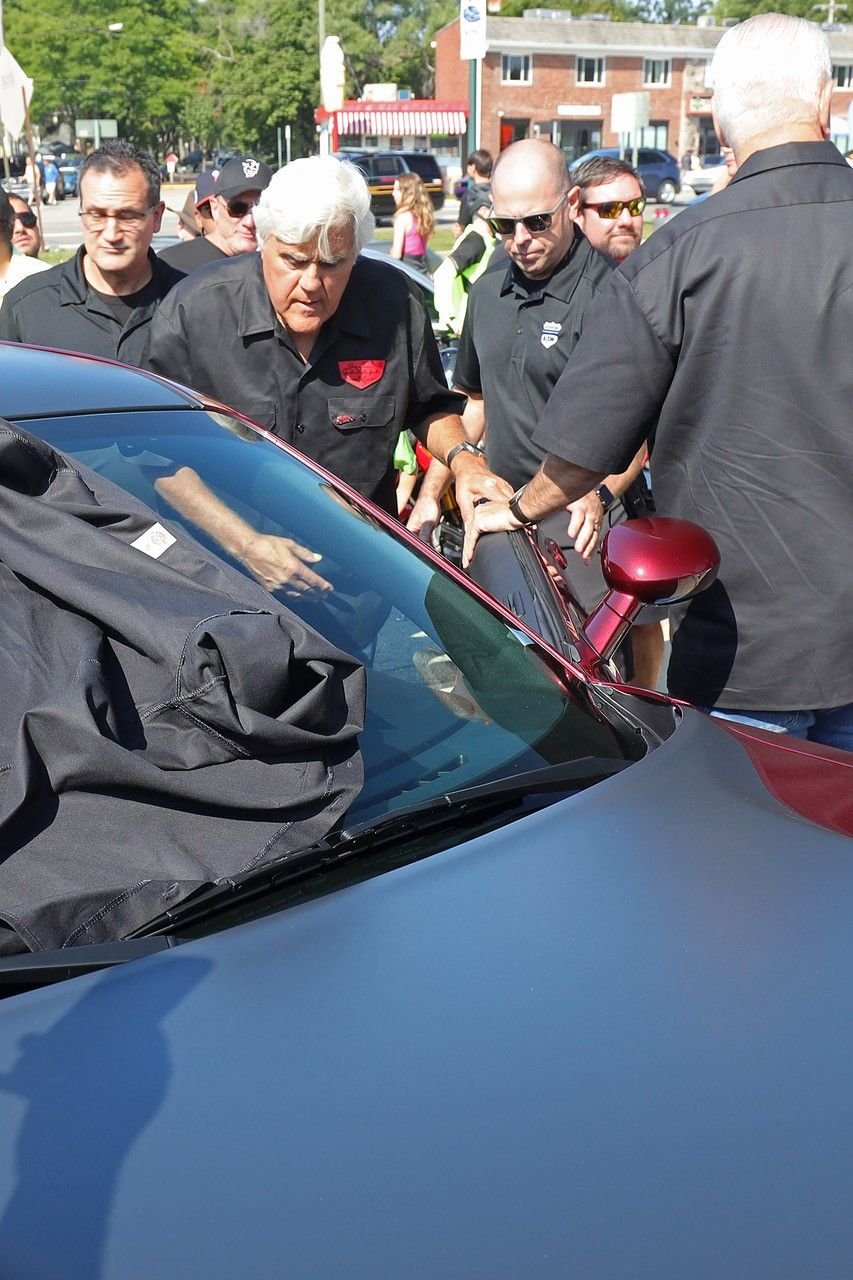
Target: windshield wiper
[{"x": 451, "y": 808}]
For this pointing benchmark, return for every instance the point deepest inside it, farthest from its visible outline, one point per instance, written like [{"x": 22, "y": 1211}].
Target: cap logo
[{"x": 250, "y": 168}]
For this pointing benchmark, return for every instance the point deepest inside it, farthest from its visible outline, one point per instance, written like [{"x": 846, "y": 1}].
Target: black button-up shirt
[
  {"x": 732, "y": 328},
  {"x": 374, "y": 371},
  {"x": 518, "y": 335},
  {"x": 57, "y": 308}
]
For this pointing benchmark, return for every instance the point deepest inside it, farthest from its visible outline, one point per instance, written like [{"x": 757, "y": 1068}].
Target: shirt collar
[
  {"x": 787, "y": 154},
  {"x": 513, "y": 280}
]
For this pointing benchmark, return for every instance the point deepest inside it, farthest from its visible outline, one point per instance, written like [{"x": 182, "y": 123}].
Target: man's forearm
[{"x": 556, "y": 484}]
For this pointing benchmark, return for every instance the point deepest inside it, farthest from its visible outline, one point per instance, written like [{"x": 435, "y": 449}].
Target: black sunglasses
[
  {"x": 239, "y": 208},
  {"x": 535, "y": 223},
  {"x": 26, "y": 219},
  {"x": 612, "y": 208}
]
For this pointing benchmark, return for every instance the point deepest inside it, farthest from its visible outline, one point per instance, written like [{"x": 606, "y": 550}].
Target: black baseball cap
[{"x": 242, "y": 173}]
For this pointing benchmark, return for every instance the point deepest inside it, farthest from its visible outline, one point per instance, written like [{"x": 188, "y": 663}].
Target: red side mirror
[{"x": 655, "y": 560}]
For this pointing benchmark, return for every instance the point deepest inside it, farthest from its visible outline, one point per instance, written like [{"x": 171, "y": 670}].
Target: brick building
[{"x": 551, "y": 75}]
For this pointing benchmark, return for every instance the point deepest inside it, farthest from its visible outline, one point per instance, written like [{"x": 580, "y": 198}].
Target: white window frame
[
  {"x": 842, "y": 75},
  {"x": 649, "y": 81},
  {"x": 525, "y": 75},
  {"x": 602, "y": 70}
]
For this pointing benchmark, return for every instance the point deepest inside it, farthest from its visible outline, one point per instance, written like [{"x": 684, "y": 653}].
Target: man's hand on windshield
[
  {"x": 424, "y": 517},
  {"x": 476, "y": 485},
  {"x": 486, "y": 517},
  {"x": 282, "y": 563}
]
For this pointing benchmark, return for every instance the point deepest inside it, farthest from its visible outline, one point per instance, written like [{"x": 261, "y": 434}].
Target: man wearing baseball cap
[{"x": 230, "y": 201}]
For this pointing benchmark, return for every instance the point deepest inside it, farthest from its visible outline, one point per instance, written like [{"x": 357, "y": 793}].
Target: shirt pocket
[{"x": 356, "y": 411}]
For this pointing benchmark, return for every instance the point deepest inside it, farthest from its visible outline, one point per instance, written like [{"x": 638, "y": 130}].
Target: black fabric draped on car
[{"x": 164, "y": 722}]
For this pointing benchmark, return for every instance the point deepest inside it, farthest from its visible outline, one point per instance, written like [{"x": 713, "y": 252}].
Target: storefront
[{"x": 409, "y": 124}]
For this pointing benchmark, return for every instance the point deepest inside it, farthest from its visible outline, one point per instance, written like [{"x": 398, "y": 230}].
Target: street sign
[
  {"x": 96, "y": 129},
  {"x": 630, "y": 112}
]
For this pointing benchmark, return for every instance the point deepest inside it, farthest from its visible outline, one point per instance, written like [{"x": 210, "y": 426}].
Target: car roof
[{"x": 36, "y": 380}]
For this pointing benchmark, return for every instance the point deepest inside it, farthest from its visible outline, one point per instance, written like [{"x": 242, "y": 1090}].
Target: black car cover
[{"x": 164, "y": 722}]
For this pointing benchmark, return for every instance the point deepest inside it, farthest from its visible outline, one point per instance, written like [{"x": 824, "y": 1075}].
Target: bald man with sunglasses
[{"x": 523, "y": 320}]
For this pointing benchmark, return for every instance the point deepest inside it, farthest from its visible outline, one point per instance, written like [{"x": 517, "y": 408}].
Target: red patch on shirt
[{"x": 361, "y": 373}]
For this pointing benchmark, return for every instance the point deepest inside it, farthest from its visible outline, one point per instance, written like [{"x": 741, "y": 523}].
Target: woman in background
[{"x": 414, "y": 221}]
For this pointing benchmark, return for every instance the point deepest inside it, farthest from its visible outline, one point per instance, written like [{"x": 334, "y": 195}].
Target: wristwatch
[
  {"x": 605, "y": 497},
  {"x": 464, "y": 446},
  {"x": 516, "y": 510}
]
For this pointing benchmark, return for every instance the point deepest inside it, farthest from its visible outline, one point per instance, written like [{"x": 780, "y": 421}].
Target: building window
[
  {"x": 590, "y": 71},
  {"x": 656, "y": 72},
  {"x": 516, "y": 68},
  {"x": 654, "y": 135},
  {"x": 843, "y": 76}
]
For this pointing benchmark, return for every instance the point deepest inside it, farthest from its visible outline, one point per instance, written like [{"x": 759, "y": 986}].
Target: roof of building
[{"x": 567, "y": 34}]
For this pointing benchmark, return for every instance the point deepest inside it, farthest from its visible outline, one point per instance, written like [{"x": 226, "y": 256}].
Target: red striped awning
[{"x": 386, "y": 118}]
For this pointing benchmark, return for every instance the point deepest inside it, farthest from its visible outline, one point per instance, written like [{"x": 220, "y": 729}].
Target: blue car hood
[{"x": 611, "y": 1039}]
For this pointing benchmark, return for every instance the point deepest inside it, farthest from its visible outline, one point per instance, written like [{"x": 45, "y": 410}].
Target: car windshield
[{"x": 456, "y": 696}]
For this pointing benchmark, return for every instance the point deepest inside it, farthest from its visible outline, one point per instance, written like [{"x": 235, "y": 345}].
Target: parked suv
[
  {"x": 380, "y": 168},
  {"x": 659, "y": 171}
]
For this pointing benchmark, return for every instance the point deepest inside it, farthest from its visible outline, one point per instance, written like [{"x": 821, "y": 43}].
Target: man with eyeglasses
[
  {"x": 611, "y": 207},
  {"x": 14, "y": 267},
  {"x": 233, "y": 199},
  {"x": 522, "y": 322},
  {"x": 101, "y": 301}
]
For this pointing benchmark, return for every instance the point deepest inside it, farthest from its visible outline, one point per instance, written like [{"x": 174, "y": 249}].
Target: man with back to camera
[
  {"x": 231, "y": 201},
  {"x": 732, "y": 327},
  {"x": 101, "y": 301},
  {"x": 332, "y": 352},
  {"x": 522, "y": 321},
  {"x": 478, "y": 168}
]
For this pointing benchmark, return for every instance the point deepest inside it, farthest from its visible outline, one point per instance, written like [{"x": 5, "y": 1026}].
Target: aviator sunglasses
[
  {"x": 612, "y": 208},
  {"x": 534, "y": 223},
  {"x": 26, "y": 219}
]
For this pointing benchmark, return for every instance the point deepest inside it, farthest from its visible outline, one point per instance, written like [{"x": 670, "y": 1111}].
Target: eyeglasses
[
  {"x": 612, "y": 208},
  {"x": 535, "y": 223},
  {"x": 27, "y": 219},
  {"x": 126, "y": 219},
  {"x": 239, "y": 208}
]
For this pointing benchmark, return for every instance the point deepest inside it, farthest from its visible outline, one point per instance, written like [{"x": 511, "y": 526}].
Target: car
[
  {"x": 381, "y": 168},
  {"x": 659, "y": 170},
  {"x": 701, "y": 180},
  {"x": 564, "y": 992}
]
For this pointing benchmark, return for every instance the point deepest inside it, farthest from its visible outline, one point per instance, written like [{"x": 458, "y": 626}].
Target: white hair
[
  {"x": 769, "y": 73},
  {"x": 312, "y": 197}
]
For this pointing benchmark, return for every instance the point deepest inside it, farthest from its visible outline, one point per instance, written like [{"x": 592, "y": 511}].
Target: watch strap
[
  {"x": 464, "y": 446},
  {"x": 605, "y": 497},
  {"x": 517, "y": 511}
]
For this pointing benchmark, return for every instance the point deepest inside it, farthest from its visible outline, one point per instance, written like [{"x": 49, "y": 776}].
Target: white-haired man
[
  {"x": 333, "y": 352},
  {"x": 731, "y": 330}
]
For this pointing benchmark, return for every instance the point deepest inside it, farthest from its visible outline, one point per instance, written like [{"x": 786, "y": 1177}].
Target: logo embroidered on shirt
[
  {"x": 361, "y": 373},
  {"x": 551, "y": 331}
]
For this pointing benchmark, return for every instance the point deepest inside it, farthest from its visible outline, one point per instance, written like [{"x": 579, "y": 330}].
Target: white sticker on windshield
[{"x": 154, "y": 541}]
